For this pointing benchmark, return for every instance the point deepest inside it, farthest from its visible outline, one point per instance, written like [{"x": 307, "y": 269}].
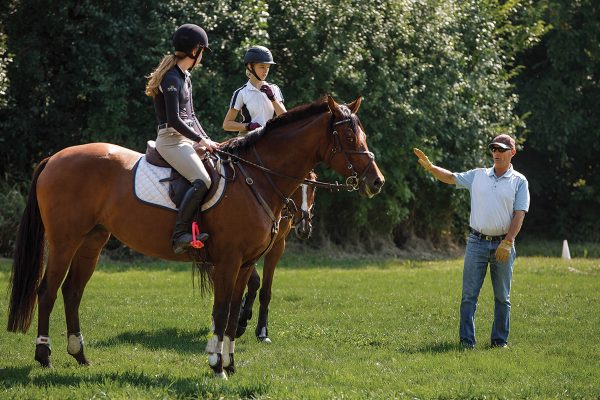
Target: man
[{"x": 499, "y": 201}]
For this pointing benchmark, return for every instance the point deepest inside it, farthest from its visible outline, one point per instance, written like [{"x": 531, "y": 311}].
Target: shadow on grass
[
  {"x": 184, "y": 342},
  {"x": 197, "y": 387},
  {"x": 293, "y": 261},
  {"x": 14, "y": 375},
  {"x": 437, "y": 347}
]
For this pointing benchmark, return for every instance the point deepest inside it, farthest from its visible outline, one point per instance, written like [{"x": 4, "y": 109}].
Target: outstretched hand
[
  {"x": 423, "y": 159},
  {"x": 503, "y": 251}
]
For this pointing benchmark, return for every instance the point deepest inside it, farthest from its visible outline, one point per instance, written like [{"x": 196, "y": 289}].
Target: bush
[{"x": 12, "y": 204}]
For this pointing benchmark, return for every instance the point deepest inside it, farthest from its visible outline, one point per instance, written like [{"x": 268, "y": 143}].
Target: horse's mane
[{"x": 239, "y": 143}]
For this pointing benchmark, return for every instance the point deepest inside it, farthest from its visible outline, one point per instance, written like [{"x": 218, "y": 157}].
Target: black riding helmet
[
  {"x": 187, "y": 37},
  {"x": 257, "y": 55}
]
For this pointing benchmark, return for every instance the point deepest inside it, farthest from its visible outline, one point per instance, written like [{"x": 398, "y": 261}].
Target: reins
[
  {"x": 325, "y": 185},
  {"x": 352, "y": 181}
]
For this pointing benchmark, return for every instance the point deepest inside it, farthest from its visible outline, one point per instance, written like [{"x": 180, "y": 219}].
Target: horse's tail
[{"x": 27, "y": 263}]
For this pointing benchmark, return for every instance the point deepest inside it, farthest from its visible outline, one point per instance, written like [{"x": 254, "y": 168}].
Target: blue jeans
[{"x": 479, "y": 253}]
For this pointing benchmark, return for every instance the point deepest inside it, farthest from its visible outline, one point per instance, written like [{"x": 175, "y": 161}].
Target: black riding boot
[{"x": 182, "y": 235}]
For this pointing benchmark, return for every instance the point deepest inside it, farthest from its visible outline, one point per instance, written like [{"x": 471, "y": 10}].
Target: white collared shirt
[
  {"x": 254, "y": 104},
  {"x": 494, "y": 199}
]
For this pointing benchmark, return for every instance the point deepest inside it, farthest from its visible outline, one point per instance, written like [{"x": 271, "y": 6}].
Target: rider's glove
[
  {"x": 266, "y": 89},
  {"x": 250, "y": 126}
]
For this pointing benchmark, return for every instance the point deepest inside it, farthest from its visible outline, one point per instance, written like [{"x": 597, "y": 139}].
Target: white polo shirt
[
  {"x": 254, "y": 104},
  {"x": 494, "y": 199}
]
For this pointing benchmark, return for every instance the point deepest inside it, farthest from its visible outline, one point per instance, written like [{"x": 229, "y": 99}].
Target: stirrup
[
  {"x": 186, "y": 241},
  {"x": 198, "y": 238}
]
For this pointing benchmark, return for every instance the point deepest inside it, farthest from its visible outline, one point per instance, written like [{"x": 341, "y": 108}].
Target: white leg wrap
[
  {"x": 263, "y": 332},
  {"x": 42, "y": 340},
  {"x": 214, "y": 348},
  {"x": 228, "y": 348},
  {"x": 75, "y": 343}
]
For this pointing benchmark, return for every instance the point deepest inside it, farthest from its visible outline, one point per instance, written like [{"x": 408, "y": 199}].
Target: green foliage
[
  {"x": 560, "y": 94},
  {"x": 433, "y": 74},
  {"x": 356, "y": 330},
  {"x": 12, "y": 204}
]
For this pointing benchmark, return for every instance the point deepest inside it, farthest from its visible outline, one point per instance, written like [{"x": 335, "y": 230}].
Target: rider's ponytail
[{"x": 156, "y": 76}]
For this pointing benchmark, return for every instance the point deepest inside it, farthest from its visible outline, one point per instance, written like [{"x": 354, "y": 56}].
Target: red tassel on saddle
[{"x": 196, "y": 244}]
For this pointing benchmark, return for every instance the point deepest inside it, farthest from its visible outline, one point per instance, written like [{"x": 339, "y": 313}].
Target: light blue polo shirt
[{"x": 493, "y": 199}]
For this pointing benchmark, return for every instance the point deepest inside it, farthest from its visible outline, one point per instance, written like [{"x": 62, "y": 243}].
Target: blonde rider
[{"x": 179, "y": 131}]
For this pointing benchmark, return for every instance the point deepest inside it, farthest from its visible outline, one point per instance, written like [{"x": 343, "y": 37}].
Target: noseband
[
  {"x": 302, "y": 215},
  {"x": 353, "y": 181}
]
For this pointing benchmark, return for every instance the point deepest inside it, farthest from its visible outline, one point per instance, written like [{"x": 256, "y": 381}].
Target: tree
[
  {"x": 433, "y": 74},
  {"x": 560, "y": 94}
]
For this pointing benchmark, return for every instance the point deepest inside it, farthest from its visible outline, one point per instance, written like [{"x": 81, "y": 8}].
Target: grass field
[{"x": 345, "y": 329}]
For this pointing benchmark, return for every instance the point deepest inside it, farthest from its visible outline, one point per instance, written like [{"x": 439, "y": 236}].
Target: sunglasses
[{"x": 494, "y": 149}]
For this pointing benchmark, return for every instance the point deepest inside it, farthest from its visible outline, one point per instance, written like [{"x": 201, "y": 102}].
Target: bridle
[
  {"x": 354, "y": 179},
  {"x": 299, "y": 215},
  {"x": 352, "y": 182}
]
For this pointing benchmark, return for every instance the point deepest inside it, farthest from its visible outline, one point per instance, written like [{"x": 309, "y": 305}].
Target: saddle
[{"x": 178, "y": 185}]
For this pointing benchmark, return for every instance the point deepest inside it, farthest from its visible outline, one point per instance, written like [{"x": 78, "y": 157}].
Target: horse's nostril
[{"x": 378, "y": 183}]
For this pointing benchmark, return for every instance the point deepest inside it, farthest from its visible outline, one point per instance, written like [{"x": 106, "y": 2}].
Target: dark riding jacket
[{"x": 174, "y": 105}]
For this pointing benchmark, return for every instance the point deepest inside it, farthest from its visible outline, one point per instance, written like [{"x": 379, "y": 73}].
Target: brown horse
[
  {"x": 301, "y": 221},
  {"x": 83, "y": 194}
]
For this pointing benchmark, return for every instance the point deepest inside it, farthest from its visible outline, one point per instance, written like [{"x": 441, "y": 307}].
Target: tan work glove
[
  {"x": 503, "y": 251},
  {"x": 423, "y": 159}
]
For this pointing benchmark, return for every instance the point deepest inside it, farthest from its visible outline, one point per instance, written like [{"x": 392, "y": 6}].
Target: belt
[
  {"x": 489, "y": 238},
  {"x": 166, "y": 125}
]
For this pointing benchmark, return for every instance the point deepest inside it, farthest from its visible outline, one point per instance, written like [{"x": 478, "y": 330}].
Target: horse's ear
[
  {"x": 333, "y": 106},
  {"x": 355, "y": 105}
]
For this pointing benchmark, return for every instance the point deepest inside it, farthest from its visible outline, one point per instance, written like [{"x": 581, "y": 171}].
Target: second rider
[{"x": 258, "y": 100}]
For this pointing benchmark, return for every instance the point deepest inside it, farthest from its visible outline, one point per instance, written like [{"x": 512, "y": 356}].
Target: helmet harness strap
[
  {"x": 252, "y": 71},
  {"x": 195, "y": 58}
]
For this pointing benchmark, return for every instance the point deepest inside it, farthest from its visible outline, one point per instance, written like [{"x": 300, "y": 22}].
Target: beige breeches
[{"x": 179, "y": 152}]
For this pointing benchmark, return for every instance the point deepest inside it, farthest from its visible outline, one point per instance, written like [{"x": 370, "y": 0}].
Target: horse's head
[
  {"x": 302, "y": 220},
  {"x": 348, "y": 151}
]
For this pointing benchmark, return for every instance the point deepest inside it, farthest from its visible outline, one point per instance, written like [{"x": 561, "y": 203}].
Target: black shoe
[
  {"x": 183, "y": 242},
  {"x": 189, "y": 206},
  {"x": 467, "y": 345}
]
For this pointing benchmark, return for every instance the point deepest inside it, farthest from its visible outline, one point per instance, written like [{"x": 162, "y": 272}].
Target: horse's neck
[{"x": 294, "y": 152}]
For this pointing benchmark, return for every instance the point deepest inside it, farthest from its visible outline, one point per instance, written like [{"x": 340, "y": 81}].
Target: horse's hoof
[
  {"x": 42, "y": 355},
  {"x": 228, "y": 363},
  {"x": 221, "y": 375},
  {"x": 264, "y": 339},
  {"x": 215, "y": 360},
  {"x": 80, "y": 357},
  {"x": 230, "y": 369}
]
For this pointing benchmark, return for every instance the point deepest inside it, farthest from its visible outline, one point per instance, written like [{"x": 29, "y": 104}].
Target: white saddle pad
[{"x": 149, "y": 189}]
